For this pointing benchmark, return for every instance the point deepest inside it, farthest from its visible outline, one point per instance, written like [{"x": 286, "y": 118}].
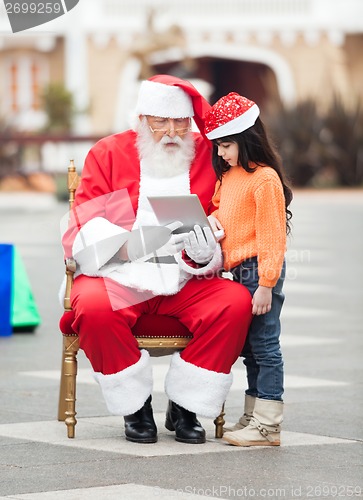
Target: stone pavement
[{"x": 321, "y": 454}]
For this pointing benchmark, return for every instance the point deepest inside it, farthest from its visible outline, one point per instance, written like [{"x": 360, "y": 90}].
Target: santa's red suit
[{"x": 109, "y": 296}]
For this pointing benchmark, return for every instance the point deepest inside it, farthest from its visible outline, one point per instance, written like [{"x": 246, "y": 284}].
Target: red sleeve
[{"x": 108, "y": 188}]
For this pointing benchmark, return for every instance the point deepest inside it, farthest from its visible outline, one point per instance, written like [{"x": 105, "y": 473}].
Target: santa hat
[
  {"x": 230, "y": 115},
  {"x": 171, "y": 97}
]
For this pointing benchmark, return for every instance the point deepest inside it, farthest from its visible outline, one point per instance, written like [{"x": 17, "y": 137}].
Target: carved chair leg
[
  {"x": 62, "y": 390},
  {"x": 71, "y": 347},
  {"x": 219, "y": 423}
]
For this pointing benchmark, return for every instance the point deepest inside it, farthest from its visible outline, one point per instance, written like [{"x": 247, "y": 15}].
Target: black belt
[{"x": 168, "y": 259}]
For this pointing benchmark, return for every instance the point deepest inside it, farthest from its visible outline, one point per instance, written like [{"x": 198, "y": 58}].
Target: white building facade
[{"x": 269, "y": 50}]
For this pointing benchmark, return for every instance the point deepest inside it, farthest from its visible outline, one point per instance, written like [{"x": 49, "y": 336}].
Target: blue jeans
[{"x": 262, "y": 353}]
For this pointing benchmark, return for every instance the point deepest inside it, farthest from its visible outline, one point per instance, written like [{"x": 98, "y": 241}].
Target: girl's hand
[
  {"x": 214, "y": 222},
  {"x": 217, "y": 228},
  {"x": 261, "y": 301}
]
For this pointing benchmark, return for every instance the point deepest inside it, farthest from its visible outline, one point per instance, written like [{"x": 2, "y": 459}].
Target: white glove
[
  {"x": 174, "y": 245},
  {"x": 201, "y": 245}
]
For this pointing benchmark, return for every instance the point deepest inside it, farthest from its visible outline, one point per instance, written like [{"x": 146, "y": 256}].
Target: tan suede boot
[
  {"x": 246, "y": 417},
  {"x": 264, "y": 427}
]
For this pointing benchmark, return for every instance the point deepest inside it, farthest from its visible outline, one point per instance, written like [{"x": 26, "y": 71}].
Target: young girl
[{"x": 252, "y": 199}]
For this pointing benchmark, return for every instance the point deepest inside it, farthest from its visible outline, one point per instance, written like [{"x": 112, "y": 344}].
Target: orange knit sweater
[{"x": 251, "y": 209}]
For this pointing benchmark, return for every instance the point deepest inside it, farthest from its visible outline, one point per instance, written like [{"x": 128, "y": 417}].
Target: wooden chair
[{"x": 175, "y": 339}]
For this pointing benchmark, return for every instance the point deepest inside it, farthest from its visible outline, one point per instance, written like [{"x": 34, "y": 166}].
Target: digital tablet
[{"x": 186, "y": 208}]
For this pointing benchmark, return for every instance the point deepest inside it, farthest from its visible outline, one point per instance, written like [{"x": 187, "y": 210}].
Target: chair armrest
[{"x": 70, "y": 270}]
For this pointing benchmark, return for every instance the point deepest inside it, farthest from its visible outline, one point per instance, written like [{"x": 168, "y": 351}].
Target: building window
[
  {"x": 14, "y": 87},
  {"x": 24, "y": 78},
  {"x": 35, "y": 86}
]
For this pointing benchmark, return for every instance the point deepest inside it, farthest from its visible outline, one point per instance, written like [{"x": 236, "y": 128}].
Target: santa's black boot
[
  {"x": 140, "y": 426},
  {"x": 185, "y": 424}
]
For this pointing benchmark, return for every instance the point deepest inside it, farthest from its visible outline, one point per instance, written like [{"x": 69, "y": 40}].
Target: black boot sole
[
  {"x": 170, "y": 427},
  {"x": 142, "y": 441},
  {"x": 190, "y": 441}
]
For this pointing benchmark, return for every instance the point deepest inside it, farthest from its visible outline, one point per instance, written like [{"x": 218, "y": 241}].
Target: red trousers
[{"x": 216, "y": 311}]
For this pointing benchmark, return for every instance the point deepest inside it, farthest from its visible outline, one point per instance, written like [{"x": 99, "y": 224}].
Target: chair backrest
[
  {"x": 148, "y": 331},
  {"x": 73, "y": 180}
]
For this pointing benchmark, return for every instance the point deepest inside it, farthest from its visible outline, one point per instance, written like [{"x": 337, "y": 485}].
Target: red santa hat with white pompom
[
  {"x": 230, "y": 115},
  {"x": 171, "y": 97}
]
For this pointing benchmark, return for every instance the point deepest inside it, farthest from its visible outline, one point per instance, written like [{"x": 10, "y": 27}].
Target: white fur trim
[
  {"x": 125, "y": 392},
  {"x": 167, "y": 101},
  {"x": 197, "y": 389},
  {"x": 160, "y": 279},
  {"x": 213, "y": 266},
  {"x": 96, "y": 242},
  {"x": 237, "y": 125}
]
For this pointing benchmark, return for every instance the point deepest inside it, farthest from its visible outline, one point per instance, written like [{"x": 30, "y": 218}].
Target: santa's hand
[
  {"x": 201, "y": 245},
  {"x": 176, "y": 242}
]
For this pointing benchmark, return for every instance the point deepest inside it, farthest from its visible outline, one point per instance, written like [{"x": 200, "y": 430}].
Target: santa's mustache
[{"x": 171, "y": 140}]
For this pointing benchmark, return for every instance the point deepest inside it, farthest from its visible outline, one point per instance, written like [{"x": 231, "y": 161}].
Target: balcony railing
[
  {"x": 205, "y": 8},
  {"x": 21, "y": 153},
  {"x": 127, "y": 16}
]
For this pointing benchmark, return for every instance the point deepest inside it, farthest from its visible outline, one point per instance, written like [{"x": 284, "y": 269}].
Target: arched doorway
[{"x": 255, "y": 80}]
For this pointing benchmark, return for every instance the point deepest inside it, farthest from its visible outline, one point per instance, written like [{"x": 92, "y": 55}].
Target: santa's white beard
[{"x": 161, "y": 160}]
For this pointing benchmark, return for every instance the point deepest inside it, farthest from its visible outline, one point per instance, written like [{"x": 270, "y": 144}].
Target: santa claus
[{"x": 116, "y": 280}]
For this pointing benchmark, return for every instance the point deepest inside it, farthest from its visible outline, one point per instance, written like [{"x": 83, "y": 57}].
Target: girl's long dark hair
[{"x": 254, "y": 146}]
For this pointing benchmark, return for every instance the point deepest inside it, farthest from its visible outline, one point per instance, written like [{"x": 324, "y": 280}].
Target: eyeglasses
[
  {"x": 166, "y": 131},
  {"x": 171, "y": 123}
]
